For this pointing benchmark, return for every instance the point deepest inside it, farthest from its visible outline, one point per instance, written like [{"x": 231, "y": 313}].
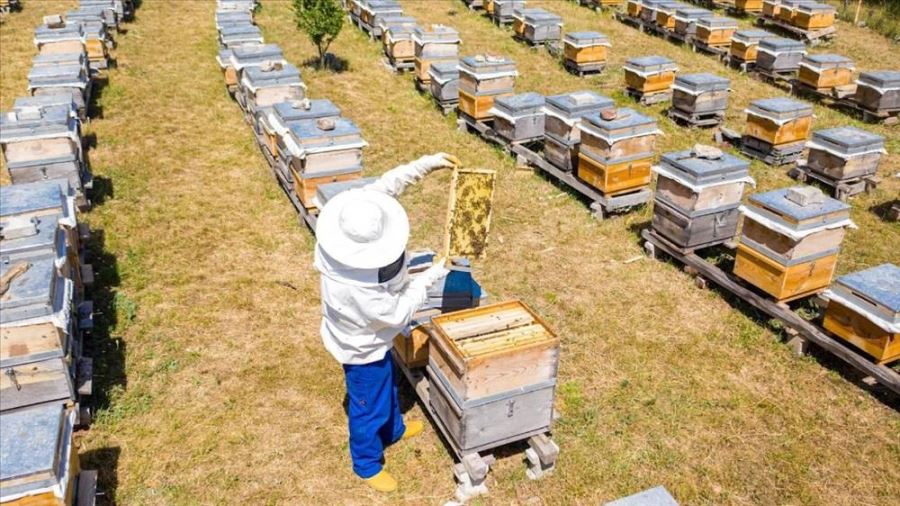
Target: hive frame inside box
[{"x": 799, "y": 331}]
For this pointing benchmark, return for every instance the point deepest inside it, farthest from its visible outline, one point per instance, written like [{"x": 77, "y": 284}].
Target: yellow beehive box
[
  {"x": 813, "y": 16},
  {"x": 825, "y": 72},
  {"x": 650, "y": 74},
  {"x": 779, "y": 121}
]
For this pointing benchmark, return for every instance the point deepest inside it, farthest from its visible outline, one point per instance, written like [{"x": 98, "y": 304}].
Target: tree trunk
[{"x": 323, "y": 51}]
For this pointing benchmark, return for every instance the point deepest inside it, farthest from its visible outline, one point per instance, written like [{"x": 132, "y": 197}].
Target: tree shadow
[
  {"x": 106, "y": 462},
  {"x": 883, "y": 210},
  {"x": 333, "y": 63}
]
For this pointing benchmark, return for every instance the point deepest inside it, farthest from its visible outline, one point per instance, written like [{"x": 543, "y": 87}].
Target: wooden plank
[
  {"x": 884, "y": 375},
  {"x": 469, "y": 212}
]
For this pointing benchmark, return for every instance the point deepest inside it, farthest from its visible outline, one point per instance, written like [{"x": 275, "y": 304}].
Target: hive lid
[
  {"x": 579, "y": 103},
  {"x": 79, "y": 58},
  {"x": 236, "y": 29},
  {"x": 625, "y": 119},
  {"x": 487, "y": 64},
  {"x": 777, "y": 201},
  {"x": 880, "y": 285},
  {"x": 717, "y": 22},
  {"x": 68, "y": 73},
  {"x": 31, "y": 294},
  {"x": 243, "y": 56},
  {"x": 883, "y": 79},
  {"x": 782, "y": 45},
  {"x": 848, "y": 140},
  {"x": 61, "y": 100},
  {"x": 31, "y": 443},
  {"x": 232, "y": 17},
  {"x": 21, "y": 236},
  {"x": 651, "y": 4},
  {"x": 69, "y": 31},
  {"x": 296, "y": 110},
  {"x": 648, "y": 64},
  {"x": 33, "y": 197},
  {"x": 272, "y": 76},
  {"x": 36, "y": 123},
  {"x": 583, "y": 39},
  {"x": 519, "y": 103},
  {"x": 668, "y": 6},
  {"x": 444, "y": 69},
  {"x": 827, "y": 60},
  {"x": 750, "y": 36},
  {"x": 310, "y": 130},
  {"x": 780, "y": 109},
  {"x": 435, "y": 33},
  {"x": 696, "y": 83},
  {"x": 692, "y": 13},
  {"x": 699, "y": 170},
  {"x": 541, "y": 17},
  {"x": 815, "y": 8}
]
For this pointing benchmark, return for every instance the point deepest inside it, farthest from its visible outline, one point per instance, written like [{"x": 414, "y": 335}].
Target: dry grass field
[{"x": 215, "y": 388}]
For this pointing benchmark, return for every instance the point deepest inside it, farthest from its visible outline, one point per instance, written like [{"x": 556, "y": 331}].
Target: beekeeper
[{"x": 367, "y": 299}]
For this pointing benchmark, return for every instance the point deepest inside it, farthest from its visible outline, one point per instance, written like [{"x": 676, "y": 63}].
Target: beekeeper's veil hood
[{"x": 363, "y": 229}]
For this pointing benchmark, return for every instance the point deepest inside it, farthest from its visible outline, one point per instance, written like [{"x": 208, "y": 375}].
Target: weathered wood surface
[
  {"x": 784, "y": 283},
  {"x": 884, "y": 375},
  {"x": 855, "y": 328},
  {"x": 469, "y": 212}
]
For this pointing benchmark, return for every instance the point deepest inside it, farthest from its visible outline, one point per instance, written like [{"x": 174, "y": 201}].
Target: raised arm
[{"x": 394, "y": 181}]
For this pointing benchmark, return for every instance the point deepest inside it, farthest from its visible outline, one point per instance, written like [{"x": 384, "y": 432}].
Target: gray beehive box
[
  {"x": 879, "y": 90},
  {"x": 845, "y": 153},
  {"x": 819, "y": 62},
  {"x": 61, "y": 101},
  {"x": 239, "y": 34},
  {"x": 705, "y": 171},
  {"x": 504, "y": 9},
  {"x": 225, "y": 18},
  {"x": 686, "y": 19},
  {"x": 777, "y": 54},
  {"x": 44, "y": 34},
  {"x": 298, "y": 110},
  {"x": 42, "y": 198},
  {"x": 700, "y": 93},
  {"x": 242, "y": 57},
  {"x": 36, "y": 450},
  {"x": 749, "y": 37},
  {"x": 541, "y": 26},
  {"x": 41, "y": 144},
  {"x": 650, "y": 65},
  {"x": 648, "y": 9},
  {"x": 564, "y": 112},
  {"x": 87, "y": 12},
  {"x": 31, "y": 238},
  {"x": 519, "y": 118},
  {"x": 778, "y": 207},
  {"x": 444, "y": 81},
  {"x": 487, "y": 75},
  {"x": 717, "y": 23},
  {"x": 436, "y": 42},
  {"x": 586, "y": 39},
  {"x": 325, "y": 192}
]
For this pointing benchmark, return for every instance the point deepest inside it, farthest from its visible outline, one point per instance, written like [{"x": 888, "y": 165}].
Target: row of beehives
[
  {"x": 307, "y": 142},
  {"x": 315, "y": 154},
  {"x": 804, "y": 16},
  {"x": 45, "y": 317},
  {"x": 10, "y": 6},
  {"x": 613, "y": 149}
]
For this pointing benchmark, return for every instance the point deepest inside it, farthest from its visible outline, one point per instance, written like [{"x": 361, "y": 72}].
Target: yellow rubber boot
[
  {"x": 382, "y": 482},
  {"x": 413, "y": 429}
]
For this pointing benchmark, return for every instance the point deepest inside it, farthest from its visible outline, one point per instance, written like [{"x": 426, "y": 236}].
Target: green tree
[{"x": 322, "y": 21}]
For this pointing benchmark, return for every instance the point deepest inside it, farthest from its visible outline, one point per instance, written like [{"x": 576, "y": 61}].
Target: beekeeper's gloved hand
[
  {"x": 430, "y": 276},
  {"x": 394, "y": 181}
]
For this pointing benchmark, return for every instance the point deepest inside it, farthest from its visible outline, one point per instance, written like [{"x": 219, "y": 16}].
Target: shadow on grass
[
  {"x": 883, "y": 210},
  {"x": 722, "y": 258},
  {"x": 107, "y": 461},
  {"x": 106, "y": 351},
  {"x": 333, "y": 63}
]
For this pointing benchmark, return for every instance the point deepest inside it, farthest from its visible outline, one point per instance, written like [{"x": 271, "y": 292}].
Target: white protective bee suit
[{"x": 360, "y": 232}]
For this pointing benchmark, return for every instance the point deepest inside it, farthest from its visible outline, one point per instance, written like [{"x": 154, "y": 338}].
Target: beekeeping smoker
[{"x": 367, "y": 299}]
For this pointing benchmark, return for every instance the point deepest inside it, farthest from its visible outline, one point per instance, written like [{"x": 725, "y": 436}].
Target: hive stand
[
  {"x": 584, "y": 69},
  {"x": 840, "y": 189},
  {"x": 720, "y": 52},
  {"x": 781, "y": 79},
  {"x": 84, "y": 310},
  {"x": 673, "y": 36},
  {"x": 834, "y": 96},
  {"x": 362, "y": 25},
  {"x": 636, "y": 22},
  {"x": 811, "y": 37},
  {"x": 86, "y": 489},
  {"x": 774, "y": 157},
  {"x": 696, "y": 120},
  {"x": 473, "y": 466},
  {"x": 601, "y": 205},
  {"x": 398, "y": 66},
  {"x": 736, "y": 63},
  {"x": 800, "y": 332},
  {"x": 649, "y": 98}
]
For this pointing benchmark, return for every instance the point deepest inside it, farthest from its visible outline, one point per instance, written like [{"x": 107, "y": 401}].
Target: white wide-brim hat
[{"x": 363, "y": 229}]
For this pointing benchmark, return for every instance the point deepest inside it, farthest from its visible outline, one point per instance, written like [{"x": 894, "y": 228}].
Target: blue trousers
[{"x": 374, "y": 413}]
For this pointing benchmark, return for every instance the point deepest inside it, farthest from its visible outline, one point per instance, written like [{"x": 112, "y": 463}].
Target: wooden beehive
[
  {"x": 623, "y": 133},
  {"x": 275, "y": 123},
  {"x": 650, "y": 74},
  {"x": 519, "y": 118},
  {"x": 700, "y": 93},
  {"x": 411, "y": 346},
  {"x": 788, "y": 10},
  {"x": 648, "y": 10},
  {"x": 864, "y": 309},
  {"x": 697, "y": 196},
  {"x": 825, "y": 72},
  {"x": 771, "y": 8},
  {"x": 305, "y": 186},
  {"x": 469, "y": 212},
  {"x": 40, "y": 463},
  {"x": 845, "y": 153},
  {"x": 397, "y": 39},
  {"x": 781, "y": 55},
  {"x": 665, "y": 15},
  {"x": 633, "y": 8},
  {"x": 686, "y": 18},
  {"x": 790, "y": 241},
  {"x": 586, "y": 48},
  {"x": 716, "y": 31},
  {"x": 434, "y": 43},
  {"x": 779, "y": 121},
  {"x": 477, "y": 107},
  {"x": 748, "y": 5},
  {"x": 494, "y": 349},
  {"x": 745, "y": 44},
  {"x": 444, "y": 83},
  {"x": 813, "y": 16},
  {"x": 59, "y": 38},
  {"x": 878, "y": 90},
  {"x": 614, "y": 177}
]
